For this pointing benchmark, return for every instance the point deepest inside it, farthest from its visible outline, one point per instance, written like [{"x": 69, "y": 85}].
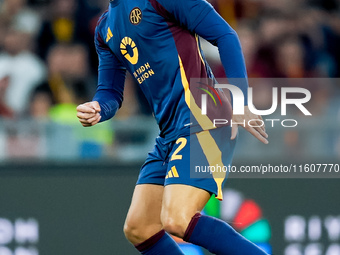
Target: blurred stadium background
[{"x": 65, "y": 189}]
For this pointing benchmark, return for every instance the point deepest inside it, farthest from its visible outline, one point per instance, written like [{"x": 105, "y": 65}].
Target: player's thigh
[
  {"x": 143, "y": 218},
  {"x": 147, "y": 197}
]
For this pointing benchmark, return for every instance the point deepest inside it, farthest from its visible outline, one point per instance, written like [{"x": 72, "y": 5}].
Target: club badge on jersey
[{"x": 135, "y": 16}]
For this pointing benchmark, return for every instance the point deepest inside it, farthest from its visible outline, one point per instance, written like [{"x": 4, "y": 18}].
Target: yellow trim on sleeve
[
  {"x": 202, "y": 120},
  {"x": 214, "y": 157}
]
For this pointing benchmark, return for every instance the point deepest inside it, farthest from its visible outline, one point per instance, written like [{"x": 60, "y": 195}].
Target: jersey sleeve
[
  {"x": 201, "y": 18},
  {"x": 111, "y": 78},
  {"x": 218, "y": 32}
]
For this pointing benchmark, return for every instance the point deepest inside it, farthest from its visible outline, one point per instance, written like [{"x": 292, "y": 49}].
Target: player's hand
[
  {"x": 88, "y": 113},
  {"x": 259, "y": 132}
]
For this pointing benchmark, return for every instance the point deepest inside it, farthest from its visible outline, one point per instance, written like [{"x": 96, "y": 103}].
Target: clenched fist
[{"x": 88, "y": 113}]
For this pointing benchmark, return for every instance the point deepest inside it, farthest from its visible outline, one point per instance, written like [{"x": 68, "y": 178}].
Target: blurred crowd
[
  {"x": 47, "y": 56},
  {"x": 48, "y": 63}
]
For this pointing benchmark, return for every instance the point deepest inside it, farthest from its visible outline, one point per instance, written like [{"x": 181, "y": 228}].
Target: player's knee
[
  {"x": 174, "y": 224},
  {"x": 136, "y": 231},
  {"x": 132, "y": 231},
  {"x": 172, "y": 227}
]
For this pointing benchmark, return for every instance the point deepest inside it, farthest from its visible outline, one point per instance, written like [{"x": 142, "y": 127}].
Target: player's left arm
[
  {"x": 218, "y": 32},
  {"x": 201, "y": 18}
]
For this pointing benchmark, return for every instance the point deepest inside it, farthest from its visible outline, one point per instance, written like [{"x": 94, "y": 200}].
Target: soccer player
[{"x": 157, "y": 42}]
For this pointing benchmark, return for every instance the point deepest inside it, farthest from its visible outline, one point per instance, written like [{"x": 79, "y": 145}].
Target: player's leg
[
  {"x": 143, "y": 226},
  {"x": 185, "y": 194},
  {"x": 143, "y": 218},
  {"x": 181, "y": 217}
]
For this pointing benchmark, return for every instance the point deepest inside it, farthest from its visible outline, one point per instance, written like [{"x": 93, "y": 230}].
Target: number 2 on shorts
[{"x": 183, "y": 142}]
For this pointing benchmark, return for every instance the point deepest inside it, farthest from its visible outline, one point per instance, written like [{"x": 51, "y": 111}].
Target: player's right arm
[{"x": 109, "y": 95}]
